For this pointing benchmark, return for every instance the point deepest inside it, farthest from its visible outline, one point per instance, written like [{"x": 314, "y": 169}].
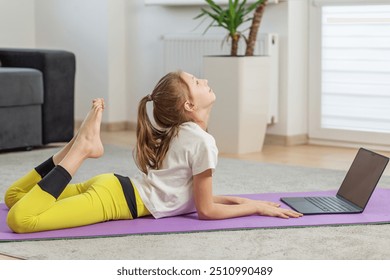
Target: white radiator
[{"x": 185, "y": 52}]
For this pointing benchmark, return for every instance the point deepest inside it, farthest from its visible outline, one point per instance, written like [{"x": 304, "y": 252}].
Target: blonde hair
[{"x": 168, "y": 97}]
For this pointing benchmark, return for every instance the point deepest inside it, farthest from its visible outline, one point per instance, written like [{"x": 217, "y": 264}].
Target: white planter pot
[{"x": 238, "y": 119}]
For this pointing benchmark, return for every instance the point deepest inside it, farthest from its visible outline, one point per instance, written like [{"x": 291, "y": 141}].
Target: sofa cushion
[
  {"x": 20, "y": 86},
  {"x": 20, "y": 126}
]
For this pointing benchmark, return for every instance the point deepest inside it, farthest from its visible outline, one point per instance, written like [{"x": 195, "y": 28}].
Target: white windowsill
[{"x": 194, "y": 2}]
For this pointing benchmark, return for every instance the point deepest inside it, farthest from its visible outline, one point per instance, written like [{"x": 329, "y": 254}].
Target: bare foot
[
  {"x": 88, "y": 136},
  {"x": 87, "y": 142},
  {"x": 59, "y": 156}
]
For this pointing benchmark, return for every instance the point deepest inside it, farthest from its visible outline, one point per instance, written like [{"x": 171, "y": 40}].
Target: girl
[{"x": 176, "y": 157}]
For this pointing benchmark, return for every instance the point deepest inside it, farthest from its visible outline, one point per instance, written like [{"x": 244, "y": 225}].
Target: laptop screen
[{"x": 362, "y": 177}]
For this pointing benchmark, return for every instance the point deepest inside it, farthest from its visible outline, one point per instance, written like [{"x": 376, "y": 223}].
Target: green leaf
[{"x": 231, "y": 17}]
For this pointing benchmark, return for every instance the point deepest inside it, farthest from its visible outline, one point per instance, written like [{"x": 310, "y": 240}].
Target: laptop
[{"x": 354, "y": 192}]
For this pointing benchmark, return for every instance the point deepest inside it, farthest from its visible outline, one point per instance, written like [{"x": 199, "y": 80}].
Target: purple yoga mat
[{"x": 376, "y": 212}]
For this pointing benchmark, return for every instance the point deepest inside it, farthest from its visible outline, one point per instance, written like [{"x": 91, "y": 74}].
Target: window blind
[{"x": 356, "y": 68}]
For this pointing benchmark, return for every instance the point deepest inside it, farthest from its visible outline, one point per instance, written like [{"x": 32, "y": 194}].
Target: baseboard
[
  {"x": 269, "y": 138},
  {"x": 345, "y": 144},
  {"x": 113, "y": 126},
  {"x": 283, "y": 140}
]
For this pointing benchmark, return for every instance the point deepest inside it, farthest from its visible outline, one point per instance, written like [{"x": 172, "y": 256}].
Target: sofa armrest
[{"x": 58, "y": 71}]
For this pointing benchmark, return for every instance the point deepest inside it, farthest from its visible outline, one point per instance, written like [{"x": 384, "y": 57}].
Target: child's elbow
[{"x": 205, "y": 214}]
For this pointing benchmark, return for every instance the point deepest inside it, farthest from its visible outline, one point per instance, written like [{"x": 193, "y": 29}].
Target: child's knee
[
  {"x": 20, "y": 187},
  {"x": 10, "y": 197},
  {"x": 19, "y": 222}
]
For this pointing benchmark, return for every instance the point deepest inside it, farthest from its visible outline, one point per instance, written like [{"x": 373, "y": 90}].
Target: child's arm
[
  {"x": 239, "y": 200},
  {"x": 213, "y": 208}
]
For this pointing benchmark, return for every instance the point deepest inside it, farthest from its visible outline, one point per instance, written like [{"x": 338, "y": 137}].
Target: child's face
[{"x": 202, "y": 95}]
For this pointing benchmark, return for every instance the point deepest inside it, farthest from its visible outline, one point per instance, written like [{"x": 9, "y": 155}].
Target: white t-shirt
[{"x": 168, "y": 191}]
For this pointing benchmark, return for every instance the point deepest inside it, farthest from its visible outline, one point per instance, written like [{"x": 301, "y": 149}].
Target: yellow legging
[{"x": 97, "y": 200}]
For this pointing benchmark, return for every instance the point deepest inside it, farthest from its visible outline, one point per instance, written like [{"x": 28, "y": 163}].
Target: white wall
[
  {"x": 95, "y": 30},
  {"x": 146, "y": 25},
  {"x": 119, "y": 51},
  {"x": 151, "y": 22},
  {"x": 80, "y": 27},
  {"x": 17, "y": 23},
  {"x": 288, "y": 19},
  {"x": 117, "y": 61},
  {"x": 275, "y": 20},
  {"x": 297, "y": 68},
  {"x": 298, "y": 17}
]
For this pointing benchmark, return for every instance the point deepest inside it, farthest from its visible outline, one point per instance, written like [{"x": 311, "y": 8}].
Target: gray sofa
[{"x": 36, "y": 97}]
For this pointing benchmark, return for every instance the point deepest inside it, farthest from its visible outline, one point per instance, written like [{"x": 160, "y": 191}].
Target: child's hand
[
  {"x": 273, "y": 209},
  {"x": 268, "y": 203}
]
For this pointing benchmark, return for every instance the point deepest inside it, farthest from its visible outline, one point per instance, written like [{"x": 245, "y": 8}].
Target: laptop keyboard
[{"x": 329, "y": 204}]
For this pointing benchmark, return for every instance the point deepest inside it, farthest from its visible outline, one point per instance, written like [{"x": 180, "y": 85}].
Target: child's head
[{"x": 168, "y": 98}]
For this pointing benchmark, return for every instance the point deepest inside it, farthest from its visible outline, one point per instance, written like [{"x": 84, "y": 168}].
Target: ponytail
[
  {"x": 145, "y": 139},
  {"x": 168, "y": 98}
]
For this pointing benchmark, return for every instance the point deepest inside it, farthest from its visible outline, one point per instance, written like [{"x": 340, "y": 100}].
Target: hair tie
[{"x": 149, "y": 97}]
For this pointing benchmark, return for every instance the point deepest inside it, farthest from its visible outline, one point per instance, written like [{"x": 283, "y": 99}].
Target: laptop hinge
[{"x": 349, "y": 203}]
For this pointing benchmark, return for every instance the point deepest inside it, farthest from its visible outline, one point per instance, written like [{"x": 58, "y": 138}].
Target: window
[{"x": 351, "y": 74}]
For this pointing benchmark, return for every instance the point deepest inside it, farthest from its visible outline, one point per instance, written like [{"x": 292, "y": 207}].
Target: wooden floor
[{"x": 302, "y": 155}]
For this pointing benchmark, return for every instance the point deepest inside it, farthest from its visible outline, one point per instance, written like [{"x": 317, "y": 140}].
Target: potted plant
[
  {"x": 241, "y": 82},
  {"x": 232, "y": 17}
]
